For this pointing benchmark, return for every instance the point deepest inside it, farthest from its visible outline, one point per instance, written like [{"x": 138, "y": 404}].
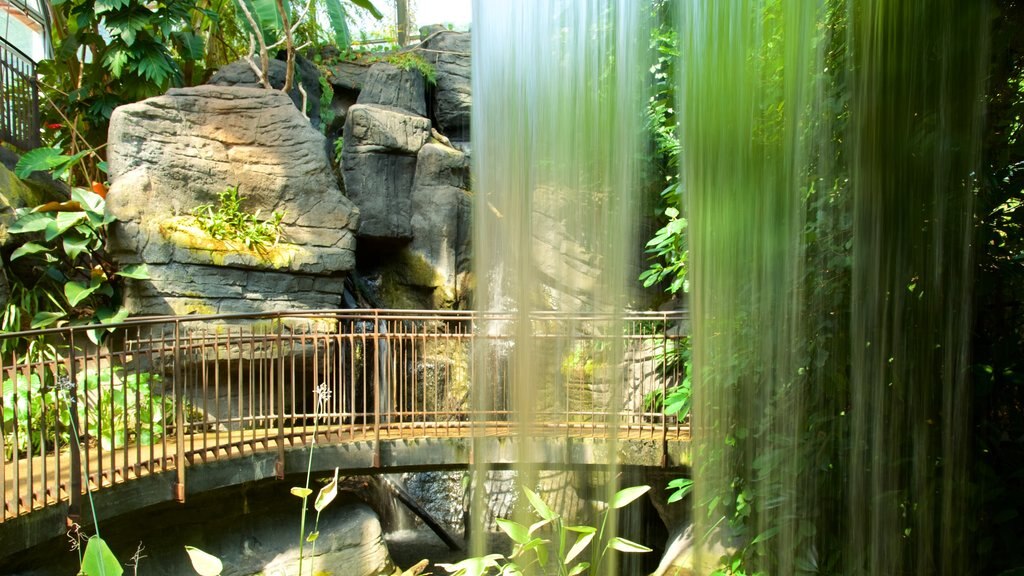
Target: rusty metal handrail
[{"x": 163, "y": 393}]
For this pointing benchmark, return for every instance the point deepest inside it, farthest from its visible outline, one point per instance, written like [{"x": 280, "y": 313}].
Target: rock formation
[
  {"x": 449, "y": 53},
  {"x": 172, "y": 153}
]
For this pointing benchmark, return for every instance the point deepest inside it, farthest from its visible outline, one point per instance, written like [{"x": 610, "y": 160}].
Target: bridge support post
[
  {"x": 376, "y": 389},
  {"x": 75, "y": 491},
  {"x": 179, "y": 418},
  {"x": 279, "y": 390}
]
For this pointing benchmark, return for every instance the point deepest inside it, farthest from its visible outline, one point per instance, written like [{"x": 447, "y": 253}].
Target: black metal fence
[{"x": 19, "y": 95}]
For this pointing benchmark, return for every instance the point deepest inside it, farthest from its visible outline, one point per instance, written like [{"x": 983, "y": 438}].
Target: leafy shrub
[
  {"x": 549, "y": 538},
  {"x": 69, "y": 271},
  {"x": 116, "y": 409},
  {"x": 230, "y": 222}
]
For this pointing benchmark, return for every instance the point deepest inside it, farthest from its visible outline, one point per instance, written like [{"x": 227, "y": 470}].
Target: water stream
[
  {"x": 557, "y": 121},
  {"x": 828, "y": 152}
]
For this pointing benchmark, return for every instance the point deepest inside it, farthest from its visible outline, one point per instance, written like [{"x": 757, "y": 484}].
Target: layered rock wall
[{"x": 175, "y": 152}]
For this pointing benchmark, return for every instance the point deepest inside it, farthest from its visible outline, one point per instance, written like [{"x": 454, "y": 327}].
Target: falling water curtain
[{"x": 828, "y": 152}]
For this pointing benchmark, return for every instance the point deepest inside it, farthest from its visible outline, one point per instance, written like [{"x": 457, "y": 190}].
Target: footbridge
[{"x": 155, "y": 409}]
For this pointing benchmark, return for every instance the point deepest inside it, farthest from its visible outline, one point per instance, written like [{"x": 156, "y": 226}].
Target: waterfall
[
  {"x": 557, "y": 129},
  {"x": 828, "y": 156}
]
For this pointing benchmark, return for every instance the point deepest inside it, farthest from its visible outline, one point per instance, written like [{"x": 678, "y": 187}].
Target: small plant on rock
[{"x": 229, "y": 222}]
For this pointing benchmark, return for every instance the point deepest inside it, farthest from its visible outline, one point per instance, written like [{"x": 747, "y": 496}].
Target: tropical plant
[
  {"x": 107, "y": 53},
  {"x": 69, "y": 265},
  {"x": 122, "y": 409},
  {"x": 229, "y": 222},
  {"x": 548, "y": 541}
]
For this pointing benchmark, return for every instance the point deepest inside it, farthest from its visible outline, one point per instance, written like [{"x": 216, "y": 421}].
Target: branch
[
  {"x": 264, "y": 56},
  {"x": 304, "y": 98},
  {"x": 252, "y": 63},
  {"x": 289, "y": 72}
]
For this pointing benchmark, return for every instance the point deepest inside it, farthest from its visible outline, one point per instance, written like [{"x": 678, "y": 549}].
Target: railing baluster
[{"x": 179, "y": 416}]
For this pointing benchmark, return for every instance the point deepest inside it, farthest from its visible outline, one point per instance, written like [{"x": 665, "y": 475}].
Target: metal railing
[
  {"x": 19, "y": 96},
  {"x": 161, "y": 394}
]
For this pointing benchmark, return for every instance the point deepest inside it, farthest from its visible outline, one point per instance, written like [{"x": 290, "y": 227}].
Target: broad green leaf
[
  {"x": 627, "y": 495},
  {"x": 44, "y": 319},
  {"x": 98, "y": 560},
  {"x": 300, "y": 491},
  {"x": 89, "y": 200},
  {"x": 581, "y": 544},
  {"x": 108, "y": 5},
  {"x": 115, "y": 61},
  {"x": 75, "y": 244},
  {"x": 61, "y": 223},
  {"x": 579, "y": 569},
  {"x": 682, "y": 487},
  {"x": 26, "y": 249},
  {"x": 516, "y": 531},
  {"x": 190, "y": 46},
  {"x": 369, "y": 7},
  {"x": 336, "y": 16},
  {"x": 539, "y": 546},
  {"x": 75, "y": 292},
  {"x": 39, "y": 159},
  {"x": 204, "y": 564},
  {"x": 623, "y": 545},
  {"x": 766, "y": 535},
  {"x": 313, "y": 536},
  {"x": 537, "y": 526},
  {"x": 539, "y": 505},
  {"x": 672, "y": 212},
  {"x": 31, "y": 222},
  {"x": 107, "y": 316},
  {"x": 134, "y": 271},
  {"x": 581, "y": 529},
  {"x": 327, "y": 493}
]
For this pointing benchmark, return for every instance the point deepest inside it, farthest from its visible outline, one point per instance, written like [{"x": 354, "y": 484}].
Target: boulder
[
  {"x": 347, "y": 75},
  {"x": 380, "y": 184},
  {"x": 240, "y": 73},
  {"x": 384, "y": 129},
  {"x": 449, "y": 52},
  {"x": 389, "y": 85},
  {"x": 440, "y": 220},
  {"x": 379, "y": 165},
  {"x": 169, "y": 154}
]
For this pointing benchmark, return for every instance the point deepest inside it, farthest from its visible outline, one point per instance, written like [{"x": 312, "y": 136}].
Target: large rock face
[
  {"x": 172, "y": 153},
  {"x": 440, "y": 220},
  {"x": 388, "y": 85},
  {"x": 240, "y": 73},
  {"x": 449, "y": 53},
  {"x": 379, "y": 163}
]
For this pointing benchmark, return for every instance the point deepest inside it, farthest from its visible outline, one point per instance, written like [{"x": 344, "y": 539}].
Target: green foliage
[
  {"x": 550, "y": 539},
  {"x": 99, "y": 560},
  {"x": 669, "y": 254},
  {"x": 204, "y": 564},
  {"x": 229, "y": 222},
  {"x": 108, "y": 53},
  {"x": 122, "y": 408},
  {"x": 326, "y": 97},
  {"x": 408, "y": 60},
  {"x": 119, "y": 408},
  {"x": 67, "y": 265},
  {"x": 667, "y": 250}
]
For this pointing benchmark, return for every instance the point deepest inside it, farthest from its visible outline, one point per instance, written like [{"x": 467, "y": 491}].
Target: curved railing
[{"x": 87, "y": 408}]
